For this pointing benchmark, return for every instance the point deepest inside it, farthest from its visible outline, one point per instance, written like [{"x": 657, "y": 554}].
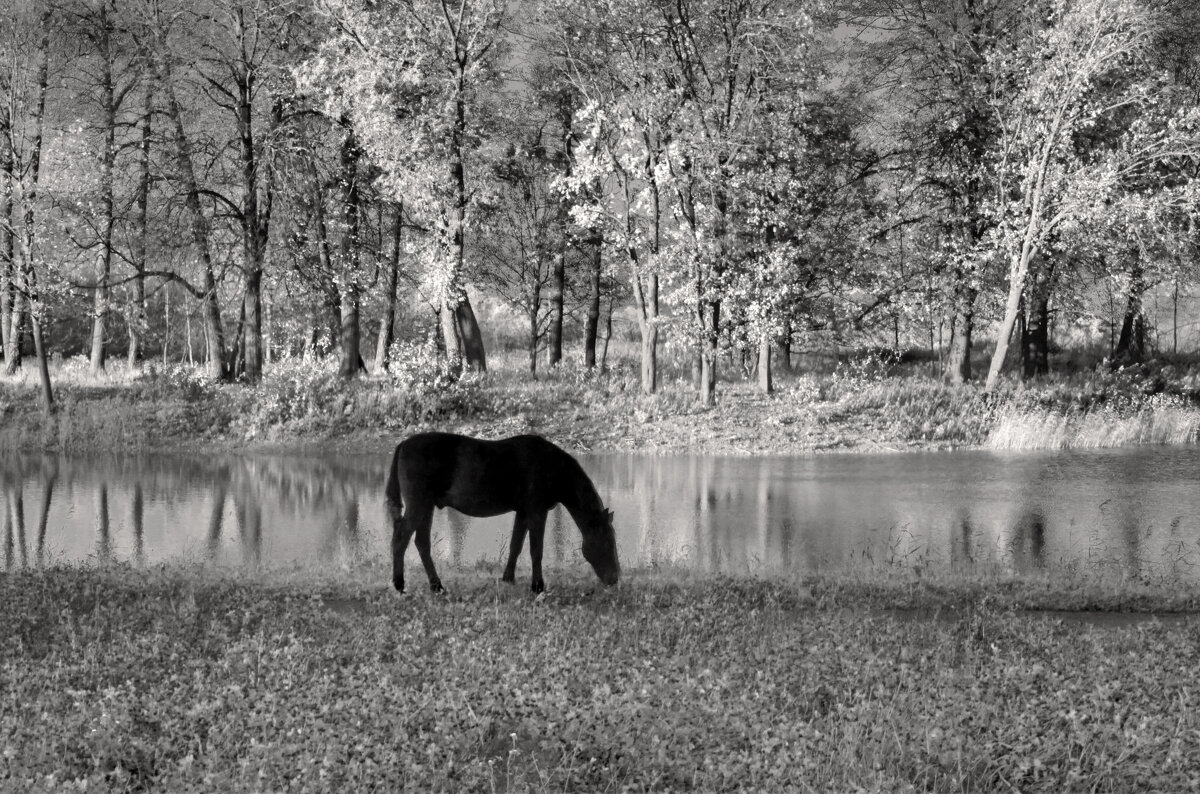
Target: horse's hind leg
[
  {"x": 514, "y": 548},
  {"x": 402, "y": 530},
  {"x": 537, "y": 531},
  {"x": 420, "y": 521}
]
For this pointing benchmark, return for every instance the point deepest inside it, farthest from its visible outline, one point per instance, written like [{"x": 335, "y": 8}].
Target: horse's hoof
[
  {"x": 437, "y": 587},
  {"x": 399, "y": 586},
  {"x": 538, "y": 588},
  {"x": 508, "y": 579}
]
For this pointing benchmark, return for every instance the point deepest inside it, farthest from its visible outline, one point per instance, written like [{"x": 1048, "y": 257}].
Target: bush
[
  {"x": 173, "y": 381},
  {"x": 418, "y": 367}
]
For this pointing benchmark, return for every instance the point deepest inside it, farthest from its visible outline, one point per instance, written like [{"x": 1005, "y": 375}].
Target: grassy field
[{"x": 187, "y": 679}]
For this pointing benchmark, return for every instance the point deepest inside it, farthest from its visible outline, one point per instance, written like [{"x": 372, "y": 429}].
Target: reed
[{"x": 1160, "y": 420}]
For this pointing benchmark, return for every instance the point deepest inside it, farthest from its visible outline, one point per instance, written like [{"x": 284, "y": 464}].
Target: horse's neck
[{"x": 579, "y": 495}]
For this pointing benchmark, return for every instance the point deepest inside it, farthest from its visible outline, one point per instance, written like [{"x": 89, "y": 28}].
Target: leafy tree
[
  {"x": 931, "y": 63},
  {"x": 615, "y": 57},
  {"x": 1084, "y": 67},
  {"x": 522, "y": 246},
  {"x": 409, "y": 75},
  {"x": 26, "y": 78}
]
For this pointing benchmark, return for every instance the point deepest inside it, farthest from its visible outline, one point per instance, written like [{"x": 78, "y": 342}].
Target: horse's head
[{"x": 600, "y": 547}]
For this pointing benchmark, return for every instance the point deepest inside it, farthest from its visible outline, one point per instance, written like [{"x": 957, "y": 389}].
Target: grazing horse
[{"x": 527, "y": 475}]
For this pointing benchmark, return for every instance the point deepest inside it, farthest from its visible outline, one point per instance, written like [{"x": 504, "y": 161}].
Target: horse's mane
[{"x": 580, "y": 488}]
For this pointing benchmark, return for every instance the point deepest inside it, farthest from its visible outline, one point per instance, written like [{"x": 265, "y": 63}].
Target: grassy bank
[
  {"x": 180, "y": 679},
  {"x": 865, "y": 404}
]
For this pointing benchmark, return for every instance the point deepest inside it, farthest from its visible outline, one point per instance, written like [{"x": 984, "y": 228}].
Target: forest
[{"x": 721, "y": 183}]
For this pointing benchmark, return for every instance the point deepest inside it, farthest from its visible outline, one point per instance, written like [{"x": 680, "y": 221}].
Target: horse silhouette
[{"x": 527, "y": 475}]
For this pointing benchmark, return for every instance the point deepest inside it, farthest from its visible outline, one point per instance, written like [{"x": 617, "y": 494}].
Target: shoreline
[{"x": 805, "y": 416}]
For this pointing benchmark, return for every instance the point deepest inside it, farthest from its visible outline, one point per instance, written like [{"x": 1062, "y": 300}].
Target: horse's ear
[{"x": 609, "y": 515}]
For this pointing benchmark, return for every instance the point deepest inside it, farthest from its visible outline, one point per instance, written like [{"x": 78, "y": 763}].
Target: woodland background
[{"x": 722, "y": 183}]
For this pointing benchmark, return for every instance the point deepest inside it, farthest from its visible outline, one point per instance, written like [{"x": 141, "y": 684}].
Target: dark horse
[{"x": 523, "y": 474}]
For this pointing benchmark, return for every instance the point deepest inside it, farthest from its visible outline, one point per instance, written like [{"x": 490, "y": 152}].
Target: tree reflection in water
[{"x": 1136, "y": 510}]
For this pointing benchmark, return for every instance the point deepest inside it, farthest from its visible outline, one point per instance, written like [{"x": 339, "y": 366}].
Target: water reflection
[{"x": 1137, "y": 511}]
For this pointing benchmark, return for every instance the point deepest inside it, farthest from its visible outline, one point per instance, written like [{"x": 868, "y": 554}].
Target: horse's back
[{"x": 478, "y": 476}]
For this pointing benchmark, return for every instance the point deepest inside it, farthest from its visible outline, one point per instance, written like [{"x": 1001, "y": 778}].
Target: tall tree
[
  {"x": 10, "y": 299},
  {"x": 243, "y": 72},
  {"x": 1086, "y": 66},
  {"x": 615, "y": 56},
  {"x": 28, "y": 275},
  {"x": 138, "y": 321},
  {"x": 410, "y": 76},
  {"x": 387, "y": 325},
  {"x": 931, "y": 63},
  {"x": 107, "y": 76},
  {"x": 158, "y": 38}
]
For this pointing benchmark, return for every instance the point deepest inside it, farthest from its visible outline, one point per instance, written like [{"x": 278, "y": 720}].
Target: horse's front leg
[
  {"x": 537, "y": 531},
  {"x": 514, "y": 548}
]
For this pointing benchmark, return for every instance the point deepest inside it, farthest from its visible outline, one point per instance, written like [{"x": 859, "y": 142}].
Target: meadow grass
[{"x": 180, "y": 678}]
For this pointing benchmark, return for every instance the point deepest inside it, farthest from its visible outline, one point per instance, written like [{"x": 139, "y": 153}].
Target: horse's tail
[{"x": 395, "y": 502}]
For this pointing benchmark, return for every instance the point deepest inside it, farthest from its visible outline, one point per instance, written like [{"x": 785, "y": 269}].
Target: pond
[{"x": 1134, "y": 510}]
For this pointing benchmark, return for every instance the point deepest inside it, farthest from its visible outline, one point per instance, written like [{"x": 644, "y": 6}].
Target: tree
[
  {"x": 99, "y": 26},
  {"x": 29, "y": 36},
  {"x": 1084, "y": 68},
  {"x": 409, "y": 75},
  {"x": 932, "y": 63},
  {"x": 387, "y": 325},
  {"x": 242, "y": 72},
  {"x": 522, "y": 254},
  {"x": 735, "y": 64},
  {"x": 615, "y": 58},
  {"x": 157, "y": 35}
]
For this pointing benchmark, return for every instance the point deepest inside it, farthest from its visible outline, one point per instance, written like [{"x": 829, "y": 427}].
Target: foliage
[
  {"x": 301, "y": 397},
  {"x": 177, "y": 679},
  {"x": 868, "y": 401}
]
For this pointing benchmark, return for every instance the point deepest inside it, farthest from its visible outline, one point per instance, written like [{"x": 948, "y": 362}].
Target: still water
[{"x": 1136, "y": 511}]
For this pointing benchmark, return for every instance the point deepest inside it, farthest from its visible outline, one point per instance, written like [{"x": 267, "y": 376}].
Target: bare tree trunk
[
  {"x": 468, "y": 341},
  {"x": 36, "y": 307},
  {"x": 214, "y": 334},
  {"x": 649, "y": 344},
  {"x": 710, "y": 306},
  {"x": 468, "y": 332},
  {"x": 958, "y": 365},
  {"x": 557, "y": 296},
  {"x": 533, "y": 338},
  {"x": 1131, "y": 344},
  {"x": 710, "y": 318},
  {"x": 387, "y": 326},
  {"x": 645, "y": 295},
  {"x": 607, "y": 337},
  {"x": 9, "y": 299},
  {"x": 138, "y": 321},
  {"x": 592, "y": 325},
  {"x": 448, "y": 323},
  {"x": 256, "y": 214},
  {"x": 349, "y": 335},
  {"x": 1018, "y": 270},
  {"x": 1036, "y": 339},
  {"x": 108, "y": 159},
  {"x": 766, "y": 382}
]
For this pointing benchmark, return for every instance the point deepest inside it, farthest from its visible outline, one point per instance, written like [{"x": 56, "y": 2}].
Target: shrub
[
  {"x": 172, "y": 381},
  {"x": 419, "y": 367}
]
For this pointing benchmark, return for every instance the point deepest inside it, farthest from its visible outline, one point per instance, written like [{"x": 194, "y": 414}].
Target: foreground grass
[{"x": 181, "y": 679}]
